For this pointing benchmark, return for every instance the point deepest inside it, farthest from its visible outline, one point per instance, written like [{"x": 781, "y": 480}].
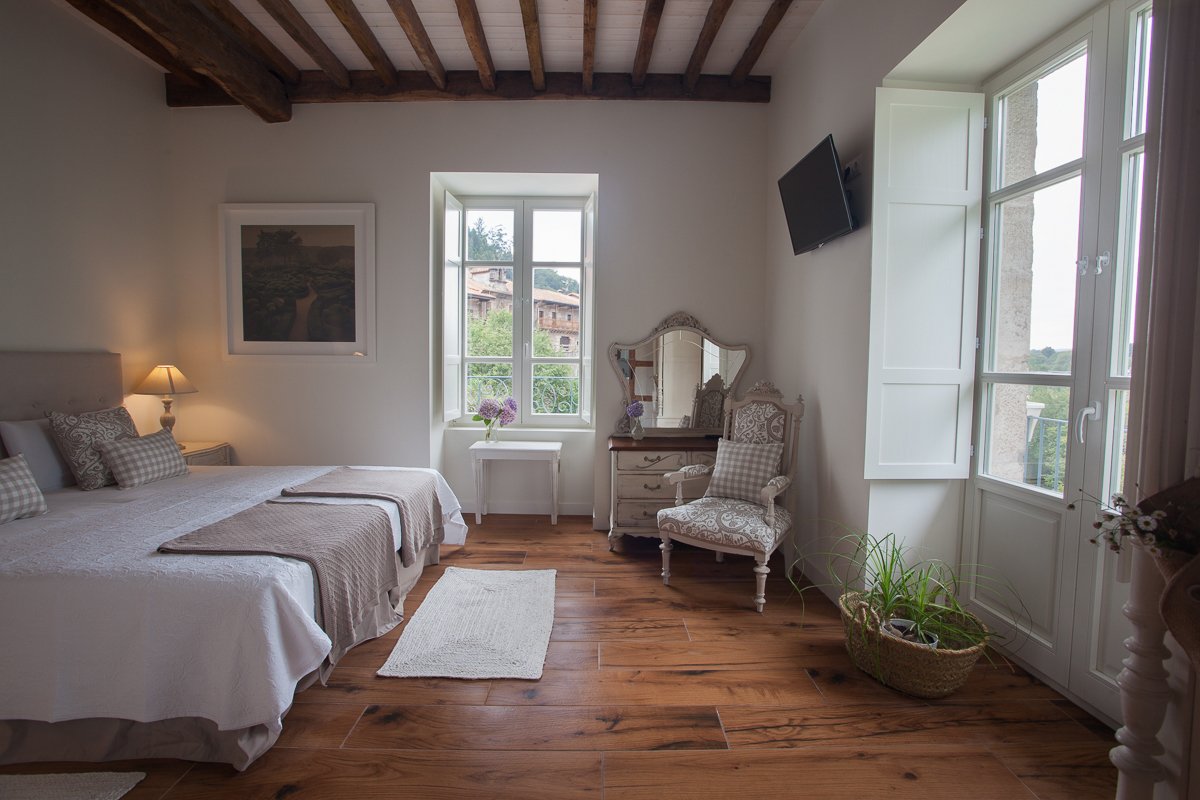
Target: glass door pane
[
  {"x": 1028, "y": 429},
  {"x": 1042, "y": 122},
  {"x": 1033, "y": 307},
  {"x": 557, "y": 235}
]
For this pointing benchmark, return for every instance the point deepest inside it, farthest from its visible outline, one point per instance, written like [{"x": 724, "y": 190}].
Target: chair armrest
[
  {"x": 776, "y": 486},
  {"x": 688, "y": 473}
]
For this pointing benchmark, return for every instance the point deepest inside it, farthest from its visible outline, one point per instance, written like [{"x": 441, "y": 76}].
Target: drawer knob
[
  {"x": 654, "y": 460},
  {"x": 653, "y": 488}
]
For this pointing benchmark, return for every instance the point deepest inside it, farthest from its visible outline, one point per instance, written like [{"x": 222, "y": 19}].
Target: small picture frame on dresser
[{"x": 206, "y": 454}]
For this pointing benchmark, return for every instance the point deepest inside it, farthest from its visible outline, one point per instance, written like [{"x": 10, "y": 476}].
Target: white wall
[
  {"x": 818, "y": 303},
  {"x": 680, "y": 227},
  {"x": 86, "y": 262}
]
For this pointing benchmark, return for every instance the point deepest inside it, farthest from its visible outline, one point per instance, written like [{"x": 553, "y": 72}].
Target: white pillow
[{"x": 32, "y": 438}]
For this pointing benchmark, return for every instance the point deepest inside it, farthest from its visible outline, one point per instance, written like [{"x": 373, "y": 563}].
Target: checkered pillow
[
  {"x": 143, "y": 460},
  {"x": 77, "y": 437},
  {"x": 19, "y": 493},
  {"x": 742, "y": 470}
]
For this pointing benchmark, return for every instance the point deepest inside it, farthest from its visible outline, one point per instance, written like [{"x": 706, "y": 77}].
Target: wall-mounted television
[{"x": 814, "y": 197}]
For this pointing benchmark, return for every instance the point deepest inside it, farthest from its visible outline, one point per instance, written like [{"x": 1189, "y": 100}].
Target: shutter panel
[
  {"x": 453, "y": 309},
  {"x": 925, "y": 222}
]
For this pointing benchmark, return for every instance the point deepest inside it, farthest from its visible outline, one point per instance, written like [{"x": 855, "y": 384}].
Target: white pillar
[{"x": 1143, "y": 682}]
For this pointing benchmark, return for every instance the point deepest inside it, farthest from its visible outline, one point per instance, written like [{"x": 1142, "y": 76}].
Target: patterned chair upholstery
[
  {"x": 708, "y": 407},
  {"x": 755, "y": 463}
]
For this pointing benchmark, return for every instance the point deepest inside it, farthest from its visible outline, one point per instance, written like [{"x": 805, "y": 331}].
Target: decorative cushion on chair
[
  {"x": 759, "y": 423},
  {"x": 720, "y": 520},
  {"x": 742, "y": 470}
]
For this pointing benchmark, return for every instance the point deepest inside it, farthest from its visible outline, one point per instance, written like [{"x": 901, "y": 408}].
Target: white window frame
[{"x": 522, "y": 360}]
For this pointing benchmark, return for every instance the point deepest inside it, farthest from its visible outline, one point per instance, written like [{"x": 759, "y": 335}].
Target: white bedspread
[{"x": 96, "y": 623}]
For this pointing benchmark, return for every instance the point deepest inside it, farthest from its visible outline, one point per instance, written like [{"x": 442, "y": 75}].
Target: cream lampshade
[{"x": 166, "y": 380}]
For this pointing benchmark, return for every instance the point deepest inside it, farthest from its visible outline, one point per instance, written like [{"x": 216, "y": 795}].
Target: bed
[{"x": 114, "y": 650}]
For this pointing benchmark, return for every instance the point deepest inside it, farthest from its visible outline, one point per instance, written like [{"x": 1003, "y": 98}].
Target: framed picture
[{"x": 298, "y": 279}]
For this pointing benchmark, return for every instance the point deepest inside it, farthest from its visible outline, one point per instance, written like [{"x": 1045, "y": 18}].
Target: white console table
[{"x": 483, "y": 452}]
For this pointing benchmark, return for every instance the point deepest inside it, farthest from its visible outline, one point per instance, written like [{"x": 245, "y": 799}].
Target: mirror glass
[{"x": 681, "y": 375}]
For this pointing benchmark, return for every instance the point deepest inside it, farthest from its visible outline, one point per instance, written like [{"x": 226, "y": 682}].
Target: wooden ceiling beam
[
  {"x": 128, "y": 31},
  {"x": 468, "y": 14},
  {"x": 651, "y": 16},
  {"x": 533, "y": 43},
  {"x": 266, "y": 50},
  {"x": 406, "y": 15},
  {"x": 352, "y": 20},
  {"x": 712, "y": 24},
  {"x": 588, "y": 69},
  {"x": 759, "y": 41},
  {"x": 298, "y": 28},
  {"x": 315, "y": 87},
  {"x": 208, "y": 47}
]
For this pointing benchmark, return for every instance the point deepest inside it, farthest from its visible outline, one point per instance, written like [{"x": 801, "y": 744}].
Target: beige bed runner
[
  {"x": 350, "y": 548},
  {"x": 413, "y": 491}
]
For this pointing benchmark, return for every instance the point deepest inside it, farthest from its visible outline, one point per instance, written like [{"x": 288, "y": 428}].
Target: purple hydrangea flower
[
  {"x": 489, "y": 409},
  {"x": 510, "y": 403},
  {"x": 507, "y": 416},
  {"x": 635, "y": 409}
]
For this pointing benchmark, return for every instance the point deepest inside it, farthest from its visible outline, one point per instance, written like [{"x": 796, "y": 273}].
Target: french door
[{"x": 1062, "y": 211}]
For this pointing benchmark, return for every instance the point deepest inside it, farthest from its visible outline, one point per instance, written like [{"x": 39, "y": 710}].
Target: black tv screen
[{"x": 814, "y": 199}]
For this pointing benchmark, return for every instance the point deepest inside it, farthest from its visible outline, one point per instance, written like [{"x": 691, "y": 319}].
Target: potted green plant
[{"x": 904, "y": 623}]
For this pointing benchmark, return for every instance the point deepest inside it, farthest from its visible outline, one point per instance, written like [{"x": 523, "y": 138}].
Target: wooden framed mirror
[{"x": 680, "y": 373}]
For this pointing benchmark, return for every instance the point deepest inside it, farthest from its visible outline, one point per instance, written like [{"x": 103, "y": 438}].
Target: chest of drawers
[{"x": 639, "y": 489}]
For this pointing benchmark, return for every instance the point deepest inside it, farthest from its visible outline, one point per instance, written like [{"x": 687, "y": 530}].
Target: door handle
[{"x": 1088, "y": 412}]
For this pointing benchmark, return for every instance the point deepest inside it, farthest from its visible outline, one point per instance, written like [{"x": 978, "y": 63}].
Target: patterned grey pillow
[
  {"x": 77, "y": 436},
  {"x": 19, "y": 493},
  {"x": 143, "y": 460},
  {"x": 742, "y": 469}
]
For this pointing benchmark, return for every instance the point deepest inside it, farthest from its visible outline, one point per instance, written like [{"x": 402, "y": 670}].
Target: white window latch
[
  {"x": 1102, "y": 261},
  {"x": 1088, "y": 412},
  {"x": 1083, "y": 266}
]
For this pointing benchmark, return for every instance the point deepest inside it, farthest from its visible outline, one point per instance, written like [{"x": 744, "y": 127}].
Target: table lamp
[{"x": 166, "y": 380}]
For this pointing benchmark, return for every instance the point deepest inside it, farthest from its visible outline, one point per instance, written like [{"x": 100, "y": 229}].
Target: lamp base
[{"x": 167, "y": 420}]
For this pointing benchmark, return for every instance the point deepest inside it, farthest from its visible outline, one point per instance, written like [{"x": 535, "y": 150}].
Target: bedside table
[{"x": 206, "y": 454}]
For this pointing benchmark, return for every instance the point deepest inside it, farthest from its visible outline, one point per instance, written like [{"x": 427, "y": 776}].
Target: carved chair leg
[
  {"x": 761, "y": 571},
  {"x": 720, "y": 557},
  {"x": 666, "y": 547}
]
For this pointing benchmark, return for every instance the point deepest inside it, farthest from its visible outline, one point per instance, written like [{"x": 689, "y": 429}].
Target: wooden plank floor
[{"x": 656, "y": 692}]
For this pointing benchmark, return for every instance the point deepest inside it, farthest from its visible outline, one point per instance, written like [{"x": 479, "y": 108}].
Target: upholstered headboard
[{"x": 34, "y": 383}]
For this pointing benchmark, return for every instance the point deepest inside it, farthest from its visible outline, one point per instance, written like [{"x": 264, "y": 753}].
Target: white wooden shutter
[
  {"x": 587, "y": 310},
  {"x": 925, "y": 232},
  {"x": 453, "y": 309}
]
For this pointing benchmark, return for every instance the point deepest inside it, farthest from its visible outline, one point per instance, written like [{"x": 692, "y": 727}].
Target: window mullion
[{"x": 523, "y": 325}]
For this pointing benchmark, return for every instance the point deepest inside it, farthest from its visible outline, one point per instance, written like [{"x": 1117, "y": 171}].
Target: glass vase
[
  {"x": 491, "y": 433},
  {"x": 635, "y": 428}
]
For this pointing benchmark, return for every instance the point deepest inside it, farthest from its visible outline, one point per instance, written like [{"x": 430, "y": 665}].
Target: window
[
  {"x": 1049, "y": 330},
  {"x": 523, "y": 289},
  {"x": 1035, "y": 203}
]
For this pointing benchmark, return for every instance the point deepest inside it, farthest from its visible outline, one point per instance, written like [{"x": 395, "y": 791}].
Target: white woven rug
[
  {"x": 69, "y": 786},
  {"x": 478, "y": 623}
]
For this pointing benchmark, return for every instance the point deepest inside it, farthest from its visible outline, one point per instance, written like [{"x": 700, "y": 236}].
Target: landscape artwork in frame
[{"x": 299, "y": 279}]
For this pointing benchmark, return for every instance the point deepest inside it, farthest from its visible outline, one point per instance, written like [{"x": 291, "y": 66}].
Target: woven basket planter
[{"x": 912, "y": 668}]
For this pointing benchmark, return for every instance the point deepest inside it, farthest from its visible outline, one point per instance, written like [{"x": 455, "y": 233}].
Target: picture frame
[{"x": 298, "y": 280}]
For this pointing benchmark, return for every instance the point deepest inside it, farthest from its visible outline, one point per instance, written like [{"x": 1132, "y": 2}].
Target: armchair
[{"x": 741, "y": 513}]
